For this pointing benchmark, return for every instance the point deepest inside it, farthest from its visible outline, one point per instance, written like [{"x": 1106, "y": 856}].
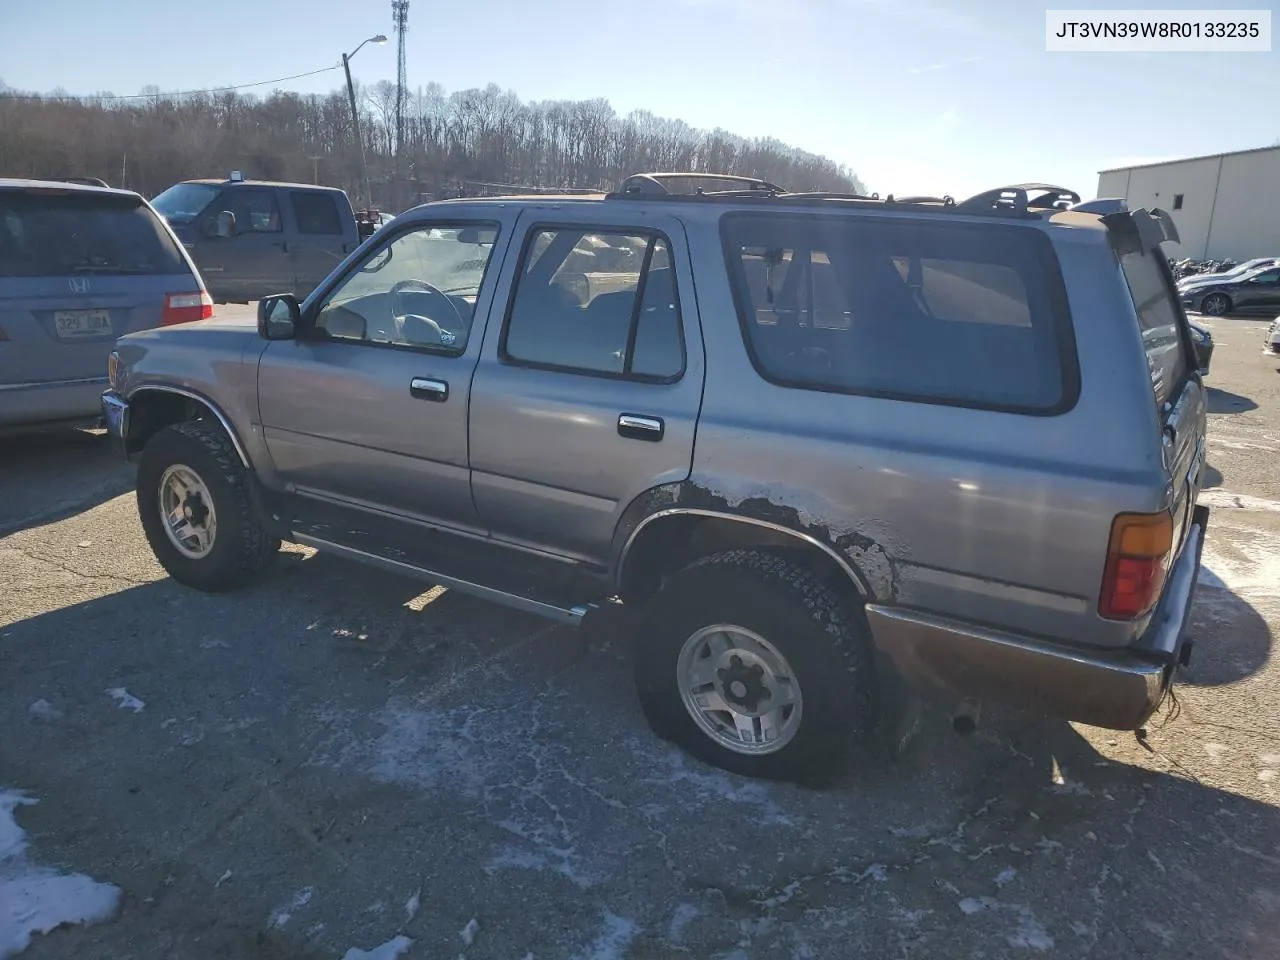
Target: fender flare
[{"x": 205, "y": 402}]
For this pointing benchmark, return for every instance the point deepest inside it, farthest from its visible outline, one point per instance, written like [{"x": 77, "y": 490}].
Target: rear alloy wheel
[
  {"x": 198, "y": 509},
  {"x": 750, "y": 662},
  {"x": 1215, "y": 305}
]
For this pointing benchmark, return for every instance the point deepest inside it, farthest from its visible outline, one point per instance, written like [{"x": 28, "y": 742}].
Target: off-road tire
[
  {"x": 243, "y": 546},
  {"x": 823, "y": 635}
]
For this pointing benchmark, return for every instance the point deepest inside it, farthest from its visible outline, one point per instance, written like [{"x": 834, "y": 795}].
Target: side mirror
[
  {"x": 226, "y": 224},
  {"x": 278, "y": 317}
]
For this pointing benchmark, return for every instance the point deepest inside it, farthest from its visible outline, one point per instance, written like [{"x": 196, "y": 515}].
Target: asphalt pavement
[{"x": 336, "y": 760}]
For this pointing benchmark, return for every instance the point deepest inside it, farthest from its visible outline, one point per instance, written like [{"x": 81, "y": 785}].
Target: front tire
[
  {"x": 748, "y": 661},
  {"x": 198, "y": 510},
  {"x": 1215, "y": 305}
]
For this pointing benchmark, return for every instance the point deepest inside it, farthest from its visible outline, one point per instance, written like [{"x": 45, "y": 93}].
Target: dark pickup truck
[{"x": 252, "y": 238}]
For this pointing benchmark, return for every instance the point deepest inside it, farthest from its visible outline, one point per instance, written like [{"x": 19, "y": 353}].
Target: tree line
[{"x": 464, "y": 142}]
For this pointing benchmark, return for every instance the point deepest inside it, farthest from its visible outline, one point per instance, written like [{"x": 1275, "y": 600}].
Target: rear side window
[
  {"x": 316, "y": 213},
  {"x": 962, "y": 314},
  {"x": 1160, "y": 321},
  {"x": 65, "y": 234},
  {"x": 600, "y": 303}
]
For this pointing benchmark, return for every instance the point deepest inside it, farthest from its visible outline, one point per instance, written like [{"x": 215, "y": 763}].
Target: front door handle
[
  {"x": 634, "y": 426},
  {"x": 425, "y": 388}
]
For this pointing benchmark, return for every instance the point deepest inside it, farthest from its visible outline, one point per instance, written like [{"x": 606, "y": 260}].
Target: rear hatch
[
  {"x": 1177, "y": 390},
  {"x": 79, "y": 268}
]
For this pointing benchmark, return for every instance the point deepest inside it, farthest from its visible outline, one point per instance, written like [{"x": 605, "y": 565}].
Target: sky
[{"x": 915, "y": 96}]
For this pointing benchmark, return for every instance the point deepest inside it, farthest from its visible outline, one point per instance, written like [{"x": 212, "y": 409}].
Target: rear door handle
[
  {"x": 634, "y": 426},
  {"x": 425, "y": 388}
]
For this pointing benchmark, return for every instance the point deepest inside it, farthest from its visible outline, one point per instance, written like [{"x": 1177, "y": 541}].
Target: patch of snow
[
  {"x": 1246, "y": 563},
  {"x": 616, "y": 936},
  {"x": 877, "y": 871},
  {"x": 222, "y": 879},
  {"x": 411, "y": 907},
  {"x": 1005, "y": 876},
  {"x": 468, "y": 933},
  {"x": 1029, "y": 932},
  {"x": 44, "y": 710},
  {"x": 284, "y": 914},
  {"x": 716, "y": 786},
  {"x": 1223, "y": 499},
  {"x": 125, "y": 699},
  {"x": 383, "y": 951},
  {"x": 684, "y": 914},
  {"x": 34, "y": 899},
  {"x": 1216, "y": 751}
]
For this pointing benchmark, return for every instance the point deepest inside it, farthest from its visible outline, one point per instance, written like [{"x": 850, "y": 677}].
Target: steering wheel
[{"x": 421, "y": 286}]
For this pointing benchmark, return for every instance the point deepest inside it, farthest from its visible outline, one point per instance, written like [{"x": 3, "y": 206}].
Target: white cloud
[{"x": 945, "y": 64}]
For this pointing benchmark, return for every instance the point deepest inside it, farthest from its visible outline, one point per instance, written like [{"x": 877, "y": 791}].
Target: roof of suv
[
  {"x": 1037, "y": 201},
  {"x": 214, "y": 181}
]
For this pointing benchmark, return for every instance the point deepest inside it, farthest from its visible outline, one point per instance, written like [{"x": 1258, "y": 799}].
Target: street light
[{"x": 355, "y": 114}]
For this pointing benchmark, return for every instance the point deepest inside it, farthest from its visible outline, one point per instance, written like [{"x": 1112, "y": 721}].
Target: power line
[{"x": 148, "y": 96}]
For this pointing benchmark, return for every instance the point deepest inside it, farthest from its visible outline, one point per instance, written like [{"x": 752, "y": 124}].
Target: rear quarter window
[
  {"x": 63, "y": 234},
  {"x": 952, "y": 313},
  {"x": 316, "y": 214},
  {"x": 1160, "y": 320}
]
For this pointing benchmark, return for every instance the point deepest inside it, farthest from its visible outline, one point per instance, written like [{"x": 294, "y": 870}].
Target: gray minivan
[{"x": 80, "y": 266}]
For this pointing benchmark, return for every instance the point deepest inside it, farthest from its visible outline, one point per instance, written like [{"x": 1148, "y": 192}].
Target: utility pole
[
  {"x": 400, "y": 21},
  {"x": 315, "y": 169},
  {"x": 355, "y": 123}
]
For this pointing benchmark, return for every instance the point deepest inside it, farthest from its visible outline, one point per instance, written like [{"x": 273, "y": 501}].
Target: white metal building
[{"x": 1227, "y": 205}]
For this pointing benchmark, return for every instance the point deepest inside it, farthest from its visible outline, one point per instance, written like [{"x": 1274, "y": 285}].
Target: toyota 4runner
[{"x": 822, "y": 443}]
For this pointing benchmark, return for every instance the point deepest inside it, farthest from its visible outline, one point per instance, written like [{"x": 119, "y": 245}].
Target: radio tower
[{"x": 400, "y": 21}]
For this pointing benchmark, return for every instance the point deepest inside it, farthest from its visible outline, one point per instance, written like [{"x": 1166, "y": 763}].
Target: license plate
[{"x": 81, "y": 323}]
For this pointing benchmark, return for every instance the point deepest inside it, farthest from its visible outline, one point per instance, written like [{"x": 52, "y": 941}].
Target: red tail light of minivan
[
  {"x": 1137, "y": 563},
  {"x": 186, "y": 307}
]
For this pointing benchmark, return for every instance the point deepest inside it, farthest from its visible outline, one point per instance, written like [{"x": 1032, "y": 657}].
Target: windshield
[{"x": 183, "y": 201}]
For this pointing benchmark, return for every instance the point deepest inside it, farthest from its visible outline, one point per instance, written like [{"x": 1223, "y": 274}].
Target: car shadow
[
  {"x": 47, "y": 477},
  {"x": 333, "y": 731},
  {"x": 1223, "y": 401},
  {"x": 1212, "y": 477}
]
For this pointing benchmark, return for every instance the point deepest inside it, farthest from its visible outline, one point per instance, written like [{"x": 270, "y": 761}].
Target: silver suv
[{"x": 821, "y": 443}]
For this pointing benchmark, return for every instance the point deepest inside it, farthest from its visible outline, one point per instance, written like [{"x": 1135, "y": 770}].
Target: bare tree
[{"x": 466, "y": 141}]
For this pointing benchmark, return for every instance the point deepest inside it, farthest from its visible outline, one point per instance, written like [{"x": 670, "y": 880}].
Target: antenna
[{"x": 400, "y": 22}]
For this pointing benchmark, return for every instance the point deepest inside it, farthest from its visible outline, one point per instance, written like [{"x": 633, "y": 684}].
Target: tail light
[
  {"x": 186, "y": 307},
  {"x": 1138, "y": 559}
]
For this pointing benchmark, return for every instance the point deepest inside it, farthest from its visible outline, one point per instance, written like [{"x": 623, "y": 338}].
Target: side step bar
[{"x": 570, "y": 615}]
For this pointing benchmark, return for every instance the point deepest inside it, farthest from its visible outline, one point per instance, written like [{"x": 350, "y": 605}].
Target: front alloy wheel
[{"x": 187, "y": 510}]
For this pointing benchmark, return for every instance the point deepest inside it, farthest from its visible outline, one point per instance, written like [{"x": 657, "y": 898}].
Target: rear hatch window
[
  {"x": 954, "y": 313},
  {"x": 1161, "y": 320},
  {"x": 49, "y": 233}
]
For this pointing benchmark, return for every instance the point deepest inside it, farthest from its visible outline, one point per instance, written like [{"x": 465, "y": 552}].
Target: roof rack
[
  {"x": 1017, "y": 199},
  {"x": 659, "y": 185}
]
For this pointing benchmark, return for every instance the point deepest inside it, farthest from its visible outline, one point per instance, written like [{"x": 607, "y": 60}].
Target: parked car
[
  {"x": 1257, "y": 291},
  {"x": 1272, "y": 340},
  {"x": 1209, "y": 279},
  {"x": 254, "y": 237},
  {"x": 79, "y": 267},
  {"x": 935, "y": 441},
  {"x": 1202, "y": 341}
]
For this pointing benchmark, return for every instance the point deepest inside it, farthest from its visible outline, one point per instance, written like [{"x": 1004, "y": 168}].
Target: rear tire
[
  {"x": 1215, "y": 305},
  {"x": 198, "y": 509},
  {"x": 745, "y": 629}
]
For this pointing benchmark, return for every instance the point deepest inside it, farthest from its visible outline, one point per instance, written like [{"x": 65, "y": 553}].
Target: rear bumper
[
  {"x": 54, "y": 402},
  {"x": 1117, "y": 689}
]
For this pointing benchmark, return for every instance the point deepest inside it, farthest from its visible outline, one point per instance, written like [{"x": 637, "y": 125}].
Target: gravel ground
[{"x": 335, "y": 759}]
